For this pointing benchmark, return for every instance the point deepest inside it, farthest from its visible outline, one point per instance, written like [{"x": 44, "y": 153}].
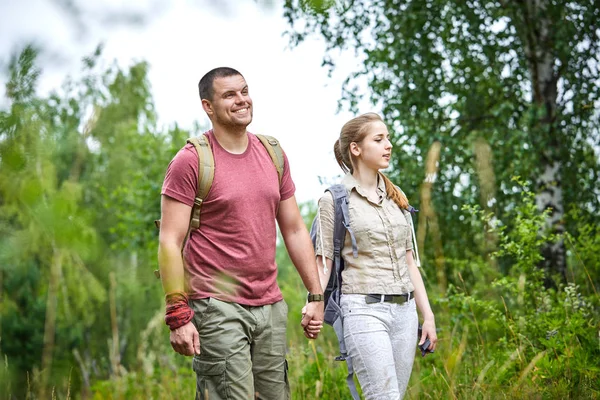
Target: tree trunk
[
  {"x": 536, "y": 32},
  {"x": 50, "y": 322},
  {"x": 428, "y": 220}
]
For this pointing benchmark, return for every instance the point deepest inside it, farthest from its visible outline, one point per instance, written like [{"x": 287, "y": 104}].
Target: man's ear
[
  {"x": 354, "y": 149},
  {"x": 208, "y": 108}
]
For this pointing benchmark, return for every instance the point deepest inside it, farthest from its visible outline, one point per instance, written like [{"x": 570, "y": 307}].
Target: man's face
[{"x": 231, "y": 105}]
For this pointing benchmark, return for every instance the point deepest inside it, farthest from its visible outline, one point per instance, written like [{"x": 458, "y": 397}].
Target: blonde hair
[{"x": 355, "y": 130}]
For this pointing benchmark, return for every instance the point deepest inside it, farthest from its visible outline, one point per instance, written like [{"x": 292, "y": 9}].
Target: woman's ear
[{"x": 354, "y": 149}]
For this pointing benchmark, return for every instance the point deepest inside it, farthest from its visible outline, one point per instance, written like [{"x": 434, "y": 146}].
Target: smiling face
[
  {"x": 231, "y": 105},
  {"x": 375, "y": 149}
]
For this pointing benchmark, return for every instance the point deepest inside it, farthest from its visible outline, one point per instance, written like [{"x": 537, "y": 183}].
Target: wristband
[{"x": 178, "y": 312}]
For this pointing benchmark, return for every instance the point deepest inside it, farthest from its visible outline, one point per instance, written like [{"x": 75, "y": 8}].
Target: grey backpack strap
[
  {"x": 350, "y": 380},
  {"x": 408, "y": 213},
  {"x": 338, "y": 327},
  {"x": 333, "y": 312},
  {"x": 340, "y": 201}
]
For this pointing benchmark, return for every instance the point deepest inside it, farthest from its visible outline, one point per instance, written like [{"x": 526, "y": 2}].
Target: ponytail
[
  {"x": 339, "y": 156},
  {"x": 394, "y": 193}
]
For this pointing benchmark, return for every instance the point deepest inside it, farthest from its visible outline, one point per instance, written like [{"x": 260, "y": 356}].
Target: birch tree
[{"x": 522, "y": 77}]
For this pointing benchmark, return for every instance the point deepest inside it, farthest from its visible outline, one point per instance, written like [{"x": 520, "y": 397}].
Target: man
[{"x": 223, "y": 302}]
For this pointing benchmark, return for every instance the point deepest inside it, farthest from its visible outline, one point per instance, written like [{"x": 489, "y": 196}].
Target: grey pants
[
  {"x": 381, "y": 338},
  {"x": 242, "y": 351}
]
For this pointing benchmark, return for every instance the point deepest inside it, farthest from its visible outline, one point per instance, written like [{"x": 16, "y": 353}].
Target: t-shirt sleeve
[
  {"x": 325, "y": 215},
  {"x": 287, "y": 188},
  {"x": 181, "y": 179}
]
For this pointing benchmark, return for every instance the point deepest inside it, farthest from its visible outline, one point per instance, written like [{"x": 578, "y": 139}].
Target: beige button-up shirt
[{"x": 383, "y": 235}]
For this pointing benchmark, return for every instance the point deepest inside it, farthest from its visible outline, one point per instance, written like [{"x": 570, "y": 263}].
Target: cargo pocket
[
  {"x": 279, "y": 312},
  {"x": 201, "y": 309},
  {"x": 211, "y": 380}
]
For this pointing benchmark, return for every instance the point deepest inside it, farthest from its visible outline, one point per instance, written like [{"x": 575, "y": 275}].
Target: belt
[{"x": 388, "y": 298}]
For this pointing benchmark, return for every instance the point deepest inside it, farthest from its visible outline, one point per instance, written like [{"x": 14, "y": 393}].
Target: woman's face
[{"x": 375, "y": 150}]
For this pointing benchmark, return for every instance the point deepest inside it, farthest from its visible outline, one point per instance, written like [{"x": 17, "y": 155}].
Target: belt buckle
[{"x": 381, "y": 298}]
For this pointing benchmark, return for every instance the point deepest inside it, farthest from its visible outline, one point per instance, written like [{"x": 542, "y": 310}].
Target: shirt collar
[{"x": 351, "y": 183}]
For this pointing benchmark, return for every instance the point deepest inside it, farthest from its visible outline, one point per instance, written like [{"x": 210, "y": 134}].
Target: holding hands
[{"x": 312, "y": 319}]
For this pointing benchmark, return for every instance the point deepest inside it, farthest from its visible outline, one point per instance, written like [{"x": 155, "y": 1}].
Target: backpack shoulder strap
[
  {"x": 206, "y": 174},
  {"x": 274, "y": 149},
  {"x": 408, "y": 215},
  {"x": 341, "y": 219},
  {"x": 333, "y": 312}
]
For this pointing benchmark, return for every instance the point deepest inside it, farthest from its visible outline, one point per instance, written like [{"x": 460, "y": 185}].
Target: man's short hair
[{"x": 205, "y": 86}]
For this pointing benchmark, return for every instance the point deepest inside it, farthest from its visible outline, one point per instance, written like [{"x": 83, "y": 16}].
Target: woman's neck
[{"x": 367, "y": 178}]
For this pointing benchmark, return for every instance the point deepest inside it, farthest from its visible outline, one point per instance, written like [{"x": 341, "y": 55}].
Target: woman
[{"x": 381, "y": 286}]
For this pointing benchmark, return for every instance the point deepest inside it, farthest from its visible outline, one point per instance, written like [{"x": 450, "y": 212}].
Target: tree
[
  {"x": 79, "y": 190},
  {"x": 518, "y": 78}
]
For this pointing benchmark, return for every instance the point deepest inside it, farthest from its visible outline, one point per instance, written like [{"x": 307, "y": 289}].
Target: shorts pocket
[
  {"x": 210, "y": 378},
  {"x": 201, "y": 309},
  {"x": 279, "y": 312}
]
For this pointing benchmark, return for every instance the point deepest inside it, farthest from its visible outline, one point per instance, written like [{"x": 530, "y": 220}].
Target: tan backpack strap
[
  {"x": 206, "y": 174},
  {"x": 275, "y": 151}
]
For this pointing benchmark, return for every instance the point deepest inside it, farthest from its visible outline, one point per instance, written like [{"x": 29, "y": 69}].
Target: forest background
[{"x": 494, "y": 112}]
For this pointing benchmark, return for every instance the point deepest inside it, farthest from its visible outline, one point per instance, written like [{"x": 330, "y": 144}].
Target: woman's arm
[
  {"x": 324, "y": 270},
  {"x": 422, "y": 302}
]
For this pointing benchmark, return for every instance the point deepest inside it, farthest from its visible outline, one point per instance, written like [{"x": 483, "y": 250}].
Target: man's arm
[
  {"x": 299, "y": 247},
  {"x": 174, "y": 222}
]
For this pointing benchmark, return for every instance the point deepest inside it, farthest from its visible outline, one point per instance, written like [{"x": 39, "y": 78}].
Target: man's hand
[
  {"x": 185, "y": 340},
  {"x": 312, "y": 319}
]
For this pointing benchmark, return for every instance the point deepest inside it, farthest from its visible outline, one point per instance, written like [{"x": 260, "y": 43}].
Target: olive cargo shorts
[{"x": 242, "y": 351}]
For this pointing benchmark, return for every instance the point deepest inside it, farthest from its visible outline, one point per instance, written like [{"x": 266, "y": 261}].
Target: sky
[{"x": 294, "y": 99}]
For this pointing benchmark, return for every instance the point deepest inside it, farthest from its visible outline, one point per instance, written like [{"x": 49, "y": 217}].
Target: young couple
[{"x": 223, "y": 304}]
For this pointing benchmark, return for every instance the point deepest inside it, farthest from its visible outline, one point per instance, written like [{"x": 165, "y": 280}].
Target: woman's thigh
[
  {"x": 367, "y": 337},
  {"x": 405, "y": 324}
]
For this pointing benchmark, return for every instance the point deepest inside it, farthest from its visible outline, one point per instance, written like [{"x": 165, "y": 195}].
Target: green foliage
[
  {"x": 522, "y": 337},
  {"x": 79, "y": 189},
  {"x": 514, "y": 75},
  {"x": 164, "y": 383},
  {"x": 502, "y": 335}
]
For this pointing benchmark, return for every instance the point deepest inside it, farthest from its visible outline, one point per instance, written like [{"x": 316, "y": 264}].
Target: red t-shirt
[{"x": 231, "y": 256}]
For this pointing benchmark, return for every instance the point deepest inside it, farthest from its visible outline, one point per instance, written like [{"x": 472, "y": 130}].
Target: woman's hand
[
  {"x": 428, "y": 332},
  {"x": 313, "y": 328}
]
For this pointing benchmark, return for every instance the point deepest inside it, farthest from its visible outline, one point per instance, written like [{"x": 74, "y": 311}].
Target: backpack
[
  {"x": 206, "y": 174},
  {"x": 333, "y": 290}
]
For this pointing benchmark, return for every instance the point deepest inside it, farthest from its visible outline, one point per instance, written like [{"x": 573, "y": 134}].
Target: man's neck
[{"x": 235, "y": 141}]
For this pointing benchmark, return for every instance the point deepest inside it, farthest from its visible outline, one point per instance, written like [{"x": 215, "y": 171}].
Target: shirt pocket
[
  {"x": 365, "y": 223},
  {"x": 400, "y": 229}
]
